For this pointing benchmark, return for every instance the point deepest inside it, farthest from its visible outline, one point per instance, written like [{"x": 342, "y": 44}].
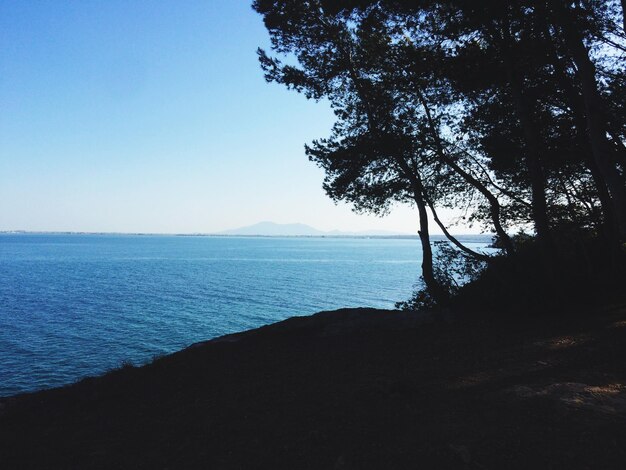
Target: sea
[{"x": 78, "y": 305}]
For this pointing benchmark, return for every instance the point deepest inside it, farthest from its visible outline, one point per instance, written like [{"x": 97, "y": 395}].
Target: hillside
[{"x": 351, "y": 389}]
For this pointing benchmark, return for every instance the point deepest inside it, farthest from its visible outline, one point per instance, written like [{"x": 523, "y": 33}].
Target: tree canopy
[{"x": 513, "y": 111}]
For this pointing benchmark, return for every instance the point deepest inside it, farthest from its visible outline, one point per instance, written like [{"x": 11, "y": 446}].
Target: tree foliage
[{"x": 513, "y": 111}]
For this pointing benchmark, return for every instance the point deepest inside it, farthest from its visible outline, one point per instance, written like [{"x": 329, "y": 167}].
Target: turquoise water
[{"x": 77, "y": 305}]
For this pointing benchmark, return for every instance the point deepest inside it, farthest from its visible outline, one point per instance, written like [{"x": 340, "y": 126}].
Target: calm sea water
[{"x": 77, "y": 305}]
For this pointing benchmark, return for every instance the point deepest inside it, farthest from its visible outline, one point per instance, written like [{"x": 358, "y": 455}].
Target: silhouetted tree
[{"x": 511, "y": 110}]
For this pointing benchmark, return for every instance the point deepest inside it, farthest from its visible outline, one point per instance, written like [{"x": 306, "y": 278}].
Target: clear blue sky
[{"x": 153, "y": 116}]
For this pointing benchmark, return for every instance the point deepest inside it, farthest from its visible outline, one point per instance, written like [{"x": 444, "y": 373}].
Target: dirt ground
[{"x": 351, "y": 389}]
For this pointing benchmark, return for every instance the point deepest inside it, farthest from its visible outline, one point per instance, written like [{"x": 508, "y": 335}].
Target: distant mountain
[{"x": 271, "y": 229}]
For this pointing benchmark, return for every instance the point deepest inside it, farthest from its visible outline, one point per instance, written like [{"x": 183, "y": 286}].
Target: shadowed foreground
[{"x": 346, "y": 389}]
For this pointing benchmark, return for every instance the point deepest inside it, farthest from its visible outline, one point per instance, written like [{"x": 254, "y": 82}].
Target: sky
[{"x": 154, "y": 117}]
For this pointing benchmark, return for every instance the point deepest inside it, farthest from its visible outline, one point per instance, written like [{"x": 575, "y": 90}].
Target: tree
[{"x": 498, "y": 107}]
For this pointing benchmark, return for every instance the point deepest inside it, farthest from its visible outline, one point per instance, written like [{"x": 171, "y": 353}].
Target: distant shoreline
[{"x": 220, "y": 235}]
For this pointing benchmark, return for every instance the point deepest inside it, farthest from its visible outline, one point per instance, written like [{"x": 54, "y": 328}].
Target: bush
[{"x": 584, "y": 271}]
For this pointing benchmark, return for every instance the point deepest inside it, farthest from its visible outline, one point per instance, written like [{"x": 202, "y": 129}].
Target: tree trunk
[
  {"x": 609, "y": 223},
  {"x": 428, "y": 271},
  {"x": 596, "y": 118},
  {"x": 453, "y": 239},
  {"x": 494, "y": 204},
  {"x": 539, "y": 207}
]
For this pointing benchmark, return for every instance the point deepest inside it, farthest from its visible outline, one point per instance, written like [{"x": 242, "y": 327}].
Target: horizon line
[{"x": 217, "y": 234}]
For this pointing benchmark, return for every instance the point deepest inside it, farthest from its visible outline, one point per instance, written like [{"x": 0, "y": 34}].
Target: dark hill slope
[{"x": 352, "y": 389}]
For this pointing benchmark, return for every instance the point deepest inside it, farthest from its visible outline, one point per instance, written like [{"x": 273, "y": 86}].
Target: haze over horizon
[
  {"x": 155, "y": 118},
  {"x": 263, "y": 228}
]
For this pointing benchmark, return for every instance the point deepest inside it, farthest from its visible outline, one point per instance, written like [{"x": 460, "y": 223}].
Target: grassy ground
[{"x": 352, "y": 389}]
